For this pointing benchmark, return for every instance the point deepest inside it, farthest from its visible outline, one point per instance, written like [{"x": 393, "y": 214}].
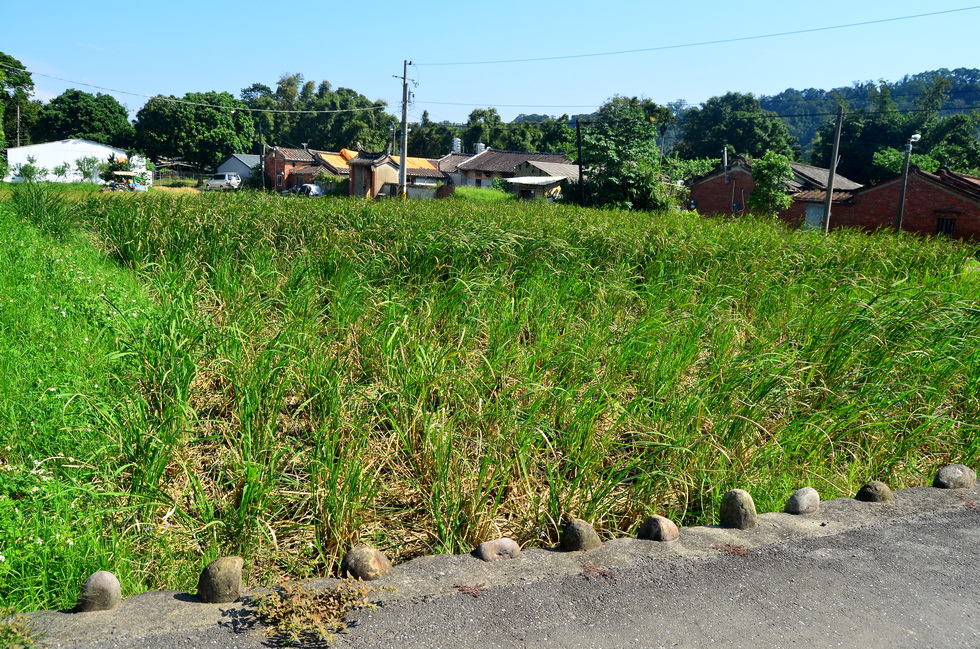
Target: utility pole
[
  {"x": 402, "y": 171},
  {"x": 905, "y": 181},
  {"x": 833, "y": 169},
  {"x": 581, "y": 162}
]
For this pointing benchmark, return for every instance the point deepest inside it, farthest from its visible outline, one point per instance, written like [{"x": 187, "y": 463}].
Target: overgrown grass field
[{"x": 282, "y": 378}]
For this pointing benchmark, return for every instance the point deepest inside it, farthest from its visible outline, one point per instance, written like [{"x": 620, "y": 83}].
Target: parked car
[{"x": 223, "y": 181}]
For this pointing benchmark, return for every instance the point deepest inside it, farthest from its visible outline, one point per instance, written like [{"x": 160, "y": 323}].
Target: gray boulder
[
  {"x": 365, "y": 563},
  {"x": 803, "y": 501},
  {"x": 578, "y": 536},
  {"x": 498, "y": 549},
  {"x": 658, "y": 528},
  {"x": 955, "y": 476},
  {"x": 738, "y": 510},
  {"x": 875, "y": 492},
  {"x": 100, "y": 592},
  {"x": 221, "y": 581}
]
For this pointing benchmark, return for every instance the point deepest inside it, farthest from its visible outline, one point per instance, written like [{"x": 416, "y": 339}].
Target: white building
[{"x": 52, "y": 154}]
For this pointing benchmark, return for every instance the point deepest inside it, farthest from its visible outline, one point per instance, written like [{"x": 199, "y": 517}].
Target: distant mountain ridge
[{"x": 805, "y": 110}]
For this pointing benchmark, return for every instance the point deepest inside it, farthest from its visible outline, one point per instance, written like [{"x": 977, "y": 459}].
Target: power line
[
  {"x": 174, "y": 100},
  {"x": 453, "y": 103},
  {"x": 703, "y": 43}
]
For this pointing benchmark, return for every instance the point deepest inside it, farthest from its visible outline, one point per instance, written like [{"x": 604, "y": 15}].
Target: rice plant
[{"x": 426, "y": 375}]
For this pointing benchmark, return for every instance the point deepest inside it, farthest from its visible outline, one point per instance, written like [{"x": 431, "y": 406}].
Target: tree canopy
[
  {"x": 192, "y": 129},
  {"x": 947, "y": 140},
  {"x": 16, "y": 86},
  {"x": 770, "y": 173},
  {"x": 736, "y": 121},
  {"x": 78, "y": 114},
  {"x": 353, "y": 120},
  {"x": 620, "y": 155}
]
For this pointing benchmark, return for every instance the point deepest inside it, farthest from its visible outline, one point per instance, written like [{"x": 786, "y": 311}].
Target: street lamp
[{"x": 905, "y": 179}]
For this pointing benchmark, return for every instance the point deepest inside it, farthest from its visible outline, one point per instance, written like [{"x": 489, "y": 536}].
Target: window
[
  {"x": 479, "y": 183},
  {"x": 945, "y": 226}
]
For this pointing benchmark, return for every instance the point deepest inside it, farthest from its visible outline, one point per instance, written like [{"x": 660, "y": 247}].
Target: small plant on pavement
[
  {"x": 15, "y": 632},
  {"x": 298, "y": 613}
]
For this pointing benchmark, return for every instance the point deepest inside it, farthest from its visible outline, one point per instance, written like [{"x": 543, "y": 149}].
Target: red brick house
[
  {"x": 280, "y": 163},
  {"x": 946, "y": 203},
  {"x": 287, "y": 168},
  {"x": 727, "y": 192}
]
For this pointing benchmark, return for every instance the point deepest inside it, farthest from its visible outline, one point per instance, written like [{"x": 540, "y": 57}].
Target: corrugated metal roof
[
  {"x": 538, "y": 181},
  {"x": 335, "y": 160},
  {"x": 563, "y": 169}
]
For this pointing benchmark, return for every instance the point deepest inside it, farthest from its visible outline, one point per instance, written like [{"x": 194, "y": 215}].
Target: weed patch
[{"x": 297, "y": 613}]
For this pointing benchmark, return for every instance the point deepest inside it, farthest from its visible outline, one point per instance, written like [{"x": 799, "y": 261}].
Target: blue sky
[{"x": 178, "y": 47}]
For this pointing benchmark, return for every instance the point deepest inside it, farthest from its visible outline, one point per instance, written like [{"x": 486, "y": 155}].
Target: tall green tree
[
  {"x": 619, "y": 150},
  {"x": 736, "y": 121},
  {"x": 202, "y": 128},
  {"x": 483, "y": 125},
  {"x": 522, "y": 136},
  {"x": 78, "y": 114},
  {"x": 299, "y": 111},
  {"x": 556, "y": 136},
  {"x": 770, "y": 173},
  {"x": 430, "y": 139},
  {"x": 16, "y": 86}
]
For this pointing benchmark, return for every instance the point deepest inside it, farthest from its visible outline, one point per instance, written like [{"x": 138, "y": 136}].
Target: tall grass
[{"x": 426, "y": 375}]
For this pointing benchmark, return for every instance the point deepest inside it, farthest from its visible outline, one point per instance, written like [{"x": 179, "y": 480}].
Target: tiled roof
[
  {"x": 369, "y": 158},
  {"x": 294, "y": 155},
  {"x": 818, "y": 177},
  {"x": 820, "y": 195},
  {"x": 448, "y": 163},
  {"x": 963, "y": 182},
  {"x": 506, "y": 161},
  {"x": 805, "y": 177},
  {"x": 310, "y": 170}
]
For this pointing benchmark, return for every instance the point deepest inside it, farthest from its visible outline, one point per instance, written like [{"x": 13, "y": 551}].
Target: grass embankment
[{"x": 424, "y": 376}]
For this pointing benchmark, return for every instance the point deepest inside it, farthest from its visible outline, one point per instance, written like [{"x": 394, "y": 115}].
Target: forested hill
[{"x": 806, "y": 109}]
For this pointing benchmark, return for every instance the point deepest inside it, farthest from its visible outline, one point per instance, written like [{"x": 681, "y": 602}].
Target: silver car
[{"x": 223, "y": 181}]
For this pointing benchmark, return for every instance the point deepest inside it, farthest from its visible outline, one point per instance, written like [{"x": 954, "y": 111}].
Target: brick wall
[
  {"x": 713, "y": 196},
  {"x": 925, "y": 203}
]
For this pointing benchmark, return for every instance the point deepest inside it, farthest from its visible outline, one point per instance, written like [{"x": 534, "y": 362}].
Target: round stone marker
[
  {"x": 498, "y": 549},
  {"x": 955, "y": 476},
  {"x": 658, "y": 528},
  {"x": 221, "y": 581},
  {"x": 738, "y": 510},
  {"x": 366, "y": 563},
  {"x": 100, "y": 592},
  {"x": 803, "y": 501},
  {"x": 875, "y": 492},
  {"x": 579, "y": 536}
]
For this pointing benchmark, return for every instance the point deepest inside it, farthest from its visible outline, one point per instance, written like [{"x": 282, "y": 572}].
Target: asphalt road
[{"x": 861, "y": 575}]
